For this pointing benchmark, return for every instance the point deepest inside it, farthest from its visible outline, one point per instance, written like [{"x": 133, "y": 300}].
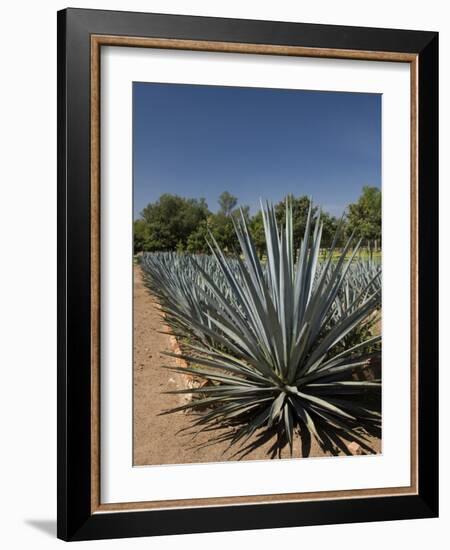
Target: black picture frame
[{"x": 75, "y": 518}]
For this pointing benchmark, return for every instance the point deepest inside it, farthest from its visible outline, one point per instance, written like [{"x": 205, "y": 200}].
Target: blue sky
[{"x": 198, "y": 141}]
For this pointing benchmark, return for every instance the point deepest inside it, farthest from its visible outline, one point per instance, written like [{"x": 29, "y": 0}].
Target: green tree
[
  {"x": 221, "y": 227},
  {"x": 330, "y": 225},
  {"x": 197, "y": 240},
  {"x": 227, "y": 203},
  {"x": 300, "y": 208},
  {"x": 364, "y": 216},
  {"x": 256, "y": 227},
  {"x": 140, "y": 236},
  {"x": 170, "y": 220},
  {"x": 245, "y": 210}
]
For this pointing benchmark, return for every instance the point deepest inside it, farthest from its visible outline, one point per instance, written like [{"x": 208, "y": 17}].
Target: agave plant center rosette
[{"x": 277, "y": 341}]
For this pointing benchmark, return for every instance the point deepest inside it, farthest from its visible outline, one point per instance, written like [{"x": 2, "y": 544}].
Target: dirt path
[
  {"x": 155, "y": 437},
  {"x": 152, "y": 442}
]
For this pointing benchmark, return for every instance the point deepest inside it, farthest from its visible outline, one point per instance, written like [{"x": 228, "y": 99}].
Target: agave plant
[
  {"x": 363, "y": 276},
  {"x": 172, "y": 279},
  {"x": 272, "y": 354},
  {"x": 175, "y": 279}
]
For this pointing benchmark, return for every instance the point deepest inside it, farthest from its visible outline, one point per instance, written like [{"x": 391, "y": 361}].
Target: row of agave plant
[{"x": 277, "y": 340}]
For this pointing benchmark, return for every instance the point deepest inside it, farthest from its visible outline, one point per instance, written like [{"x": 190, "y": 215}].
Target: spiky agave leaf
[
  {"x": 272, "y": 351},
  {"x": 175, "y": 280}
]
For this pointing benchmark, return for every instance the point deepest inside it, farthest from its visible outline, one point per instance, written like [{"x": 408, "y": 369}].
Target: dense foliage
[
  {"x": 167, "y": 223},
  {"x": 176, "y": 223},
  {"x": 278, "y": 339},
  {"x": 364, "y": 216}
]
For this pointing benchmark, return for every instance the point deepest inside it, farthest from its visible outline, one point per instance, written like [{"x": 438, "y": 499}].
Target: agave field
[{"x": 277, "y": 341}]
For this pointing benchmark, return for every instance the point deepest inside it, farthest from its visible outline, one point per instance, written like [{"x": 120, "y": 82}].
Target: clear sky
[{"x": 198, "y": 141}]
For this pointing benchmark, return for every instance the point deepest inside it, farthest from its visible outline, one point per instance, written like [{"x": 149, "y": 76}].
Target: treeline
[{"x": 182, "y": 224}]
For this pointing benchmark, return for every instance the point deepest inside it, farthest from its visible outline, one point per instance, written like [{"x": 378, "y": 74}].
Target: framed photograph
[{"x": 247, "y": 255}]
